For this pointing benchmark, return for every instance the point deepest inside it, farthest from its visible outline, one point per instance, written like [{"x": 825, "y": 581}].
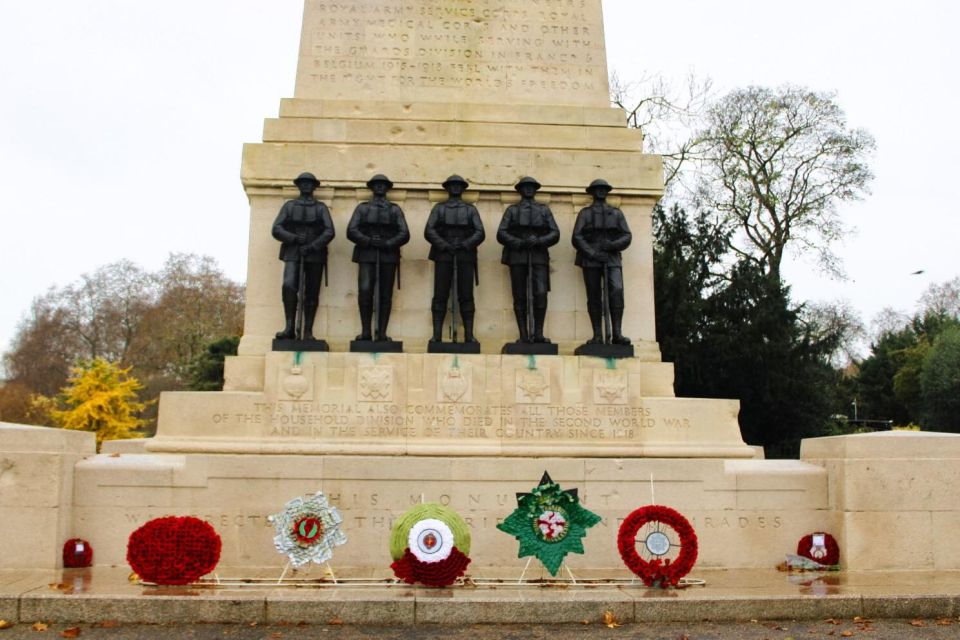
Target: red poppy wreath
[
  {"x": 658, "y": 544},
  {"x": 173, "y": 550}
]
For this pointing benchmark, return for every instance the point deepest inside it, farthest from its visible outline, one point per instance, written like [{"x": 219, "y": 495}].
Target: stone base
[
  {"x": 453, "y": 347},
  {"x": 448, "y": 404},
  {"x": 530, "y": 349},
  {"x": 36, "y": 492},
  {"x": 303, "y": 346},
  {"x": 747, "y": 513},
  {"x": 605, "y": 350},
  {"x": 376, "y": 346}
]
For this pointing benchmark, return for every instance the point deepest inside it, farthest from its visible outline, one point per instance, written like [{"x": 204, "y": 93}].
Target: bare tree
[
  {"x": 942, "y": 300},
  {"x": 887, "y": 320},
  {"x": 776, "y": 163},
  {"x": 196, "y": 304},
  {"x": 837, "y": 322},
  {"x": 667, "y": 116}
]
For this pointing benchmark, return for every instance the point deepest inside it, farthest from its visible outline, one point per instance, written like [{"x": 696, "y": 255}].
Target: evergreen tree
[
  {"x": 206, "y": 370},
  {"x": 940, "y": 382},
  {"x": 737, "y": 336}
]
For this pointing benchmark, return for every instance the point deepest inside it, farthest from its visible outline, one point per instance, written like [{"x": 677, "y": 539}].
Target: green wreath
[{"x": 549, "y": 523}]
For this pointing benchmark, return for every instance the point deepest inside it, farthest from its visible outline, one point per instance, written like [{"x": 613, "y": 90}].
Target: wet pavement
[
  {"x": 106, "y": 595},
  {"x": 914, "y": 629}
]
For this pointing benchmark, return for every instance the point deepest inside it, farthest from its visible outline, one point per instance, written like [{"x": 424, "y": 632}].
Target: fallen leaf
[
  {"x": 133, "y": 577},
  {"x": 917, "y": 622},
  {"x": 276, "y": 635},
  {"x": 831, "y": 621},
  {"x": 847, "y": 634},
  {"x": 335, "y": 621},
  {"x": 861, "y": 620},
  {"x": 40, "y": 626},
  {"x": 584, "y": 622},
  {"x": 105, "y": 624},
  {"x": 70, "y": 632},
  {"x": 944, "y": 622},
  {"x": 610, "y": 620},
  {"x": 253, "y": 624},
  {"x": 4, "y": 624},
  {"x": 60, "y": 586},
  {"x": 114, "y": 455}
]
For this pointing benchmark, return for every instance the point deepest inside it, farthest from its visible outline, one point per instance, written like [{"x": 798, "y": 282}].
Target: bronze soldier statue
[
  {"x": 599, "y": 235},
  {"x": 526, "y": 231},
  {"x": 454, "y": 231},
  {"x": 378, "y": 229},
  {"x": 304, "y": 229}
]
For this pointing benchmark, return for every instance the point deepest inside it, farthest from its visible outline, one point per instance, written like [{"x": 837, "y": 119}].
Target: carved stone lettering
[{"x": 490, "y": 49}]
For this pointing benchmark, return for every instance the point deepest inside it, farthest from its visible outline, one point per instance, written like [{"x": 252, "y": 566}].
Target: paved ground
[
  {"x": 380, "y": 609},
  {"x": 919, "y": 629}
]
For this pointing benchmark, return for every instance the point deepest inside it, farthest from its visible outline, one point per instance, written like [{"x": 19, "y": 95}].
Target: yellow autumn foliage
[{"x": 100, "y": 397}]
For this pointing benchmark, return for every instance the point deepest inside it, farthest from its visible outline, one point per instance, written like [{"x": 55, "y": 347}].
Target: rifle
[
  {"x": 607, "y": 324},
  {"x": 453, "y": 301},
  {"x": 376, "y": 299},
  {"x": 301, "y": 301},
  {"x": 530, "y": 322}
]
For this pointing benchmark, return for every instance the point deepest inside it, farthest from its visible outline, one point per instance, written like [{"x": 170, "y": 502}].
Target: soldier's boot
[
  {"x": 383, "y": 321},
  {"x": 438, "y": 317},
  {"x": 310, "y": 314},
  {"x": 522, "y": 325},
  {"x": 290, "y": 317},
  {"x": 616, "y": 316},
  {"x": 468, "y": 326},
  {"x": 596, "y": 322},
  {"x": 539, "y": 317},
  {"x": 366, "y": 319}
]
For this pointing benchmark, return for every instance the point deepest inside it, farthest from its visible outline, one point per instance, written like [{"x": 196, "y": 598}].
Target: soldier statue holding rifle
[
  {"x": 454, "y": 231},
  {"x": 526, "y": 232},
  {"x": 304, "y": 229},
  {"x": 378, "y": 229},
  {"x": 599, "y": 235}
]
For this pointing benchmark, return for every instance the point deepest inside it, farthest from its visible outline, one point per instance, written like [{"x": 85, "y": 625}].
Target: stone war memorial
[{"x": 409, "y": 114}]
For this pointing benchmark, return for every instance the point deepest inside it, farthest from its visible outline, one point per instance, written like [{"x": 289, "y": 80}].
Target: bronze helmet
[
  {"x": 599, "y": 182},
  {"x": 527, "y": 180}
]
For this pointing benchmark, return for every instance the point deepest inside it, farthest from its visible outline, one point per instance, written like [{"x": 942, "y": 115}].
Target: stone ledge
[
  {"x": 453, "y": 112},
  {"x": 421, "y": 606}
]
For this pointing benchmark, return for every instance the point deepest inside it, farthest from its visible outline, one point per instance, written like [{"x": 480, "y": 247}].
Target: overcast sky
[{"x": 121, "y": 124}]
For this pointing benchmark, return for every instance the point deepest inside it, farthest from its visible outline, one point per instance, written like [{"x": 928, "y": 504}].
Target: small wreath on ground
[
  {"x": 429, "y": 544},
  {"x": 822, "y": 548},
  {"x": 658, "y": 544},
  {"x": 172, "y": 551},
  {"x": 77, "y": 553}
]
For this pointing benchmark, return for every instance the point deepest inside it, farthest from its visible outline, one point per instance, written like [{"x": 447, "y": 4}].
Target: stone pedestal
[
  {"x": 36, "y": 493},
  {"x": 460, "y": 405},
  {"x": 746, "y": 513},
  {"x": 898, "y": 495}
]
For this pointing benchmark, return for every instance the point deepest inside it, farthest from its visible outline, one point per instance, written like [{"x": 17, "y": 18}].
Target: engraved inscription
[
  {"x": 519, "y": 49},
  {"x": 386, "y": 420}
]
